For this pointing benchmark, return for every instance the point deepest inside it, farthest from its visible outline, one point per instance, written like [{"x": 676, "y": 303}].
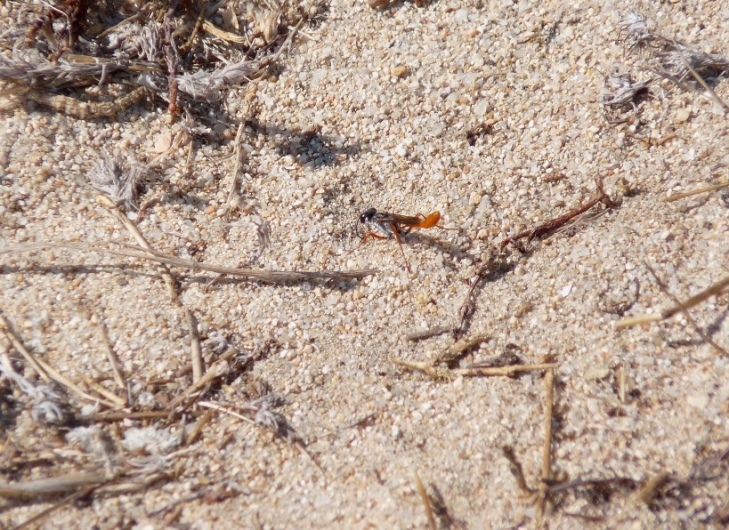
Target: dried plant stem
[
  {"x": 113, "y": 28},
  {"x": 62, "y": 380},
  {"x": 195, "y": 350},
  {"x": 697, "y": 191},
  {"x": 60, "y": 504},
  {"x": 211, "y": 28},
  {"x": 715, "y": 289},
  {"x": 7, "y": 329},
  {"x": 216, "y": 370},
  {"x": 142, "y": 242},
  {"x": 296, "y": 442},
  {"x": 445, "y": 373},
  {"x": 116, "y": 366},
  {"x": 198, "y": 25},
  {"x": 118, "y": 401},
  {"x": 547, "y": 445},
  {"x": 426, "y": 502},
  {"x": 703, "y": 83},
  {"x": 428, "y": 333},
  {"x": 238, "y": 164},
  {"x": 229, "y": 412},
  {"x": 685, "y": 310},
  {"x": 201, "y": 422},
  {"x": 272, "y": 277},
  {"x": 131, "y": 487},
  {"x": 49, "y": 486},
  {"x": 289, "y": 38},
  {"x": 648, "y": 491},
  {"x": 469, "y": 305},
  {"x": 558, "y": 222},
  {"x": 46, "y": 371},
  {"x": 120, "y": 416}
]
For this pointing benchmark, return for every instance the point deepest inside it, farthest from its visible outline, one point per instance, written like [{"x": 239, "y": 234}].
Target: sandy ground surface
[{"x": 373, "y": 109}]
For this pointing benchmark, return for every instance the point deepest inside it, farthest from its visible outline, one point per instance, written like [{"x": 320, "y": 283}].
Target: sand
[{"x": 373, "y": 108}]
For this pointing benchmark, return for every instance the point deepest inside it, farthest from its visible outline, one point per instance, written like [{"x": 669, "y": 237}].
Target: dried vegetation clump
[
  {"x": 93, "y": 60},
  {"x": 186, "y": 54},
  {"x": 683, "y": 64}
]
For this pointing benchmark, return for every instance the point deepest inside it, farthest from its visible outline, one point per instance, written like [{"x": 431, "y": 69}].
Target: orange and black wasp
[{"x": 383, "y": 225}]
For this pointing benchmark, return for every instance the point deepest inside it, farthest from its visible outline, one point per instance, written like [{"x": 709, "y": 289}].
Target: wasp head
[{"x": 368, "y": 216}]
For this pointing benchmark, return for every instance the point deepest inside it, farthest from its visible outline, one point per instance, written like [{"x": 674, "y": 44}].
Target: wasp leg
[
  {"x": 371, "y": 235},
  {"x": 397, "y": 231}
]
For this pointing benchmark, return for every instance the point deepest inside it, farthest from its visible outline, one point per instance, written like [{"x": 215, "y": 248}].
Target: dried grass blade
[
  {"x": 116, "y": 366},
  {"x": 713, "y": 290},
  {"x": 703, "y": 83},
  {"x": 20, "y": 347},
  {"x": 142, "y": 242},
  {"x": 426, "y": 503},
  {"x": 195, "y": 350},
  {"x": 697, "y": 191}
]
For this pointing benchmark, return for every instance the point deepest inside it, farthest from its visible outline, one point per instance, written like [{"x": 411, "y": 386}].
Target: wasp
[{"x": 383, "y": 225}]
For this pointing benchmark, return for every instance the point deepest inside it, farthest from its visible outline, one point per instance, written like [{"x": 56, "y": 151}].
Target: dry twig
[
  {"x": 417, "y": 336},
  {"x": 238, "y": 164},
  {"x": 116, "y": 366},
  {"x": 7, "y": 329},
  {"x": 142, "y": 242},
  {"x": 705, "y": 189},
  {"x": 683, "y": 307},
  {"x": 218, "y": 369},
  {"x": 60, "y": 504},
  {"x": 268, "y": 419},
  {"x": 197, "y": 429},
  {"x": 34, "y": 489},
  {"x": 44, "y": 368},
  {"x": 649, "y": 489},
  {"x": 552, "y": 225},
  {"x": 273, "y": 277},
  {"x": 494, "y": 264}
]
